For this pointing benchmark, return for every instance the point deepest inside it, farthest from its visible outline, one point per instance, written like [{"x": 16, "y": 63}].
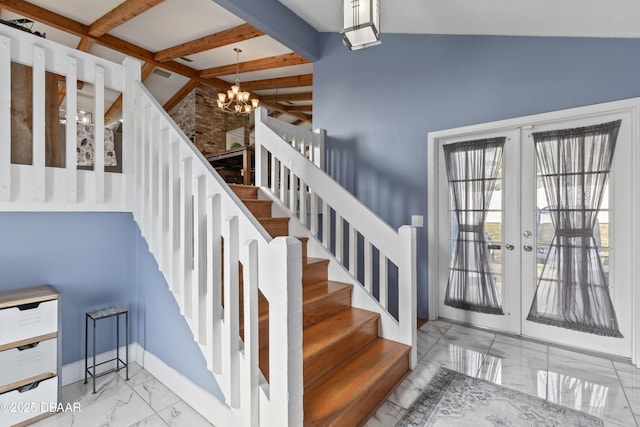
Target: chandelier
[{"x": 236, "y": 101}]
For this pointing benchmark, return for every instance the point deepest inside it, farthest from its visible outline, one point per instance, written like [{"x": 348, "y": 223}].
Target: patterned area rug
[{"x": 454, "y": 399}]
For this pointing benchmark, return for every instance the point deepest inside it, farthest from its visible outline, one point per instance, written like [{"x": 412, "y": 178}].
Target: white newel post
[
  {"x": 407, "y": 289},
  {"x": 5, "y": 119},
  {"x": 318, "y": 148},
  {"x": 132, "y": 76},
  {"x": 285, "y": 332},
  {"x": 262, "y": 158}
]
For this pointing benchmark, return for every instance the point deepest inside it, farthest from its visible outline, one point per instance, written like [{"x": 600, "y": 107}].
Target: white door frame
[{"x": 631, "y": 105}]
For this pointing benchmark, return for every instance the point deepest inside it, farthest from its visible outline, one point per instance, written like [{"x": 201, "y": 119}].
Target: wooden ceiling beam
[
  {"x": 277, "y": 83},
  {"x": 212, "y": 41},
  {"x": 298, "y": 122},
  {"x": 147, "y": 69},
  {"x": 282, "y": 109},
  {"x": 301, "y": 96},
  {"x": 285, "y": 60},
  {"x": 302, "y": 108},
  {"x": 120, "y": 14},
  {"x": 180, "y": 94}
]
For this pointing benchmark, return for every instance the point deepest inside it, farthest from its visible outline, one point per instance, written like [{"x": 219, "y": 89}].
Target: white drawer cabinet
[{"x": 29, "y": 354}]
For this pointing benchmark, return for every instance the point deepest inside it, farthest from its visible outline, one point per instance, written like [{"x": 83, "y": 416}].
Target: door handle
[
  {"x": 527, "y": 248},
  {"x": 509, "y": 246}
]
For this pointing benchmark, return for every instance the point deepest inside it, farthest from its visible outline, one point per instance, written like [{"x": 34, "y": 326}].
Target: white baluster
[
  {"x": 383, "y": 296},
  {"x": 303, "y": 203},
  {"x": 199, "y": 259},
  {"x": 353, "y": 250},
  {"x": 186, "y": 236},
  {"x": 326, "y": 231},
  {"x": 5, "y": 119},
  {"x": 38, "y": 124},
  {"x": 214, "y": 282},
  {"x": 231, "y": 329},
  {"x": 313, "y": 226},
  {"x": 98, "y": 129},
  {"x": 250, "y": 396},
  {"x": 339, "y": 239},
  {"x": 163, "y": 207},
  {"x": 368, "y": 265},
  {"x": 283, "y": 184},
  {"x": 275, "y": 187},
  {"x": 407, "y": 293},
  {"x": 174, "y": 216}
]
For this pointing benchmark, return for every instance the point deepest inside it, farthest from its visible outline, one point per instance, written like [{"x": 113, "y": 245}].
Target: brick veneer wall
[{"x": 199, "y": 118}]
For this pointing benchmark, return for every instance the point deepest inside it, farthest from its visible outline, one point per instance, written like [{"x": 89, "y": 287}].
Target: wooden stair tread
[
  {"x": 350, "y": 393},
  {"x": 312, "y": 260},
  {"x": 318, "y": 291},
  {"x": 317, "y": 337},
  {"x": 244, "y": 191}
]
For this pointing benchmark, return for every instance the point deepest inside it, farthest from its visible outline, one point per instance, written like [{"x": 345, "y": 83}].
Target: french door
[{"x": 533, "y": 230}]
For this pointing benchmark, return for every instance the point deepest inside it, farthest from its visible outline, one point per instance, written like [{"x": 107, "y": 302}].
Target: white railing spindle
[
  {"x": 5, "y": 119},
  {"x": 186, "y": 236},
  {"x": 214, "y": 283},
  {"x": 38, "y": 124},
  {"x": 71, "y": 131},
  {"x": 231, "y": 329},
  {"x": 98, "y": 165},
  {"x": 199, "y": 258}
]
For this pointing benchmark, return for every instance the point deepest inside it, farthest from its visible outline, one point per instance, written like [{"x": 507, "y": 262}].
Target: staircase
[
  {"x": 325, "y": 333},
  {"x": 348, "y": 369}
]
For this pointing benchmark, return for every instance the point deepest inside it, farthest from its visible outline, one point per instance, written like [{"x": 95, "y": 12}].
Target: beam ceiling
[
  {"x": 280, "y": 82},
  {"x": 213, "y": 41},
  {"x": 285, "y": 60},
  {"x": 120, "y": 14}
]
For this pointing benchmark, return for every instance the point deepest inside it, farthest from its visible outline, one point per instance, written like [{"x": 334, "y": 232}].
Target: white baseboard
[{"x": 199, "y": 399}]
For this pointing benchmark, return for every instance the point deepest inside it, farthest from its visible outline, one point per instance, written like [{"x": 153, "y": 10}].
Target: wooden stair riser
[
  {"x": 353, "y": 391},
  {"x": 244, "y": 191},
  {"x": 315, "y": 272},
  {"x": 259, "y": 208},
  {"x": 329, "y": 304},
  {"x": 331, "y": 355},
  {"x": 275, "y": 226}
]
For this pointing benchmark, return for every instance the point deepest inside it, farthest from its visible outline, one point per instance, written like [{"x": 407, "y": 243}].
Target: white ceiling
[{"x": 570, "y": 18}]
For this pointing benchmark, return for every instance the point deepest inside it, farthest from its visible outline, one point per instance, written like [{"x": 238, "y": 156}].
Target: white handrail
[{"x": 311, "y": 195}]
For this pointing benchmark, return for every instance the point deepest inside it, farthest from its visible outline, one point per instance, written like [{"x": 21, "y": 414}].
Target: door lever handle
[
  {"x": 509, "y": 246},
  {"x": 527, "y": 248}
]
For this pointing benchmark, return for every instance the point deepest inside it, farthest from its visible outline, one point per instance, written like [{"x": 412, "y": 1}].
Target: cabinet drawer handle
[
  {"x": 27, "y": 346},
  {"x": 29, "y": 306}
]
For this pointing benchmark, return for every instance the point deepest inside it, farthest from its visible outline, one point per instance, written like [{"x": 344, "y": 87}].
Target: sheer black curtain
[
  {"x": 472, "y": 170},
  {"x": 572, "y": 290}
]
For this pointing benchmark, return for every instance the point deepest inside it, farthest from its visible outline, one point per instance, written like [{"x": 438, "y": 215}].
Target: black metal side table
[{"x": 104, "y": 313}]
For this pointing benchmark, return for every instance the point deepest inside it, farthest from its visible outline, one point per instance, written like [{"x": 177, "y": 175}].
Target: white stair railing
[
  {"x": 185, "y": 212},
  {"x": 36, "y": 186},
  {"x": 330, "y": 213}
]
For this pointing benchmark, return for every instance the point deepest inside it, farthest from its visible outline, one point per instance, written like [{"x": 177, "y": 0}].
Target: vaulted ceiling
[{"x": 182, "y": 43}]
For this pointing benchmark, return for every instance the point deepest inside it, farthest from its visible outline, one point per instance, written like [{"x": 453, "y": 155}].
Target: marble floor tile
[
  {"x": 413, "y": 385},
  {"x": 183, "y": 415},
  {"x": 156, "y": 394},
  {"x": 151, "y": 421},
  {"x": 631, "y": 385},
  {"x": 427, "y": 337},
  {"x": 106, "y": 386},
  {"x": 588, "y": 384},
  {"x": 387, "y": 415},
  {"x": 457, "y": 357},
  {"x": 516, "y": 367},
  {"x": 137, "y": 375},
  {"x": 468, "y": 338}
]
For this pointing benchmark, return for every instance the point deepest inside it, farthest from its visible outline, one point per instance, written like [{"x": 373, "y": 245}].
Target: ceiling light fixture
[
  {"x": 361, "y": 19},
  {"x": 236, "y": 101}
]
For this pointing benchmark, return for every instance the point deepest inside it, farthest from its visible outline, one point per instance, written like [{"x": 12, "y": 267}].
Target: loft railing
[
  {"x": 343, "y": 225},
  {"x": 185, "y": 212}
]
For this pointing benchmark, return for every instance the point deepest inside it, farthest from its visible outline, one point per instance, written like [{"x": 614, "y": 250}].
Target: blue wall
[
  {"x": 96, "y": 260},
  {"x": 378, "y": 104}
]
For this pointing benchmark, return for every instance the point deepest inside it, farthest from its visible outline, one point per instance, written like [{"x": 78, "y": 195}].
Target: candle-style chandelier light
[{"x": 236, "y": 101}]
